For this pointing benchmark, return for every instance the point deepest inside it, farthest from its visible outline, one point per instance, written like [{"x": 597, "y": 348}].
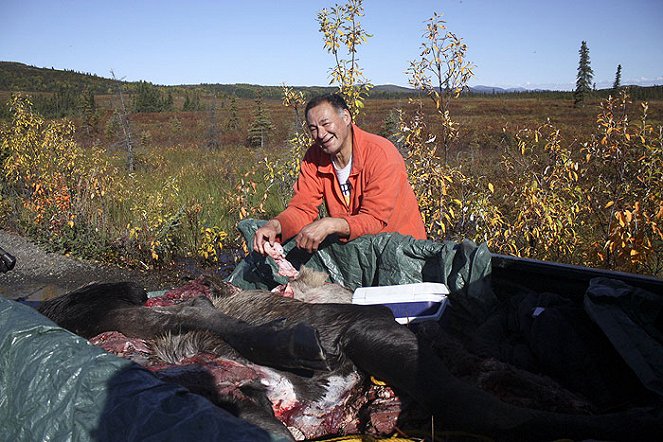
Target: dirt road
[{"x": 41, "y": 275}]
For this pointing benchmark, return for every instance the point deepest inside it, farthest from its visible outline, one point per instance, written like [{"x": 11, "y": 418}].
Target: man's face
[{"x": 330, "y": 129}]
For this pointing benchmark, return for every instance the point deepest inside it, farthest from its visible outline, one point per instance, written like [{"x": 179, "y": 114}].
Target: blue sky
[{"x": 513, "y": 43}]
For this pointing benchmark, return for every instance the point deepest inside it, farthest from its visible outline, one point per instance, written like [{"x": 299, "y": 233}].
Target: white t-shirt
[{"x": 342, "y": 174}]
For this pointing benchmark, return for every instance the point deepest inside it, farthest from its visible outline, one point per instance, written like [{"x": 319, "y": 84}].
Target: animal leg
[
  {"x": 97, "y": 308},
  {"x": 274, "y": 344}
]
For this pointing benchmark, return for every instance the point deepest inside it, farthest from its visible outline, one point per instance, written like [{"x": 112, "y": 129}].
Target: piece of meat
[{"x": 278, "y": 255}]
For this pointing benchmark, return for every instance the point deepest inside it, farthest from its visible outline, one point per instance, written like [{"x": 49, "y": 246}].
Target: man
[{"x": 361, "y": 177}]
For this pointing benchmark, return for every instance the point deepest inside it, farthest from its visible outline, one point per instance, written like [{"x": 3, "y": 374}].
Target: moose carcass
[{"x": 322, "y": 341}]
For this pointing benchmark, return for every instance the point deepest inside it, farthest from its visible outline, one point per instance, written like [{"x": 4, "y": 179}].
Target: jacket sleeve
[
  {"x": 303, "y": 207},
  {"x": 385, "y": 180}
]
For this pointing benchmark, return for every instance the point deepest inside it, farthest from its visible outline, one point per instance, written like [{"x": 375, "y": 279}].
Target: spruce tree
[
  {"x": 195, "y": 102},
  {"x": 585, "y": 76},
  {"x": 147, "y": 98},
  {"x": 261, "y": 125},
  {"x": 89, "y": 111},
  {"x": 64, "y": 102},
  {"x": 168, "y": 103},
  {"x": 233, "y": 118},
  {"x": 618, "y": 78}
]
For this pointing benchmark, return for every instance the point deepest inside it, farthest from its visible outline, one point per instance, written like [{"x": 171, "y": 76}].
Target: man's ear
[{"x": 347, "y": 118}]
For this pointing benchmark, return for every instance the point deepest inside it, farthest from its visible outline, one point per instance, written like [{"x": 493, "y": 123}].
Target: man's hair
[{"x": 335, "y": 100}]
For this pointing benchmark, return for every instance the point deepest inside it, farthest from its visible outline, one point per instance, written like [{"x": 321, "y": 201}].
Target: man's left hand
[{"x": 310, "y": 237}]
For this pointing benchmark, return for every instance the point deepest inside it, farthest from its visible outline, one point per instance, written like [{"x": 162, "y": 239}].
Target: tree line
[{"x": 62, "y": 93}]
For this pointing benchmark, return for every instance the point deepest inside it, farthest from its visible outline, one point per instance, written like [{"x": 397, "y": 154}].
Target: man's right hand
[{"x": 266, "y": 233}]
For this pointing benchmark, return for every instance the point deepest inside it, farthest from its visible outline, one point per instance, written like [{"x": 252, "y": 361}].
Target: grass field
[{"x": 179, "y": 178}]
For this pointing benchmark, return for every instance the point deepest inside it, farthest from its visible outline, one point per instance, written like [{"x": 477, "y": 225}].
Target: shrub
[{"x": 63, "y": 190}]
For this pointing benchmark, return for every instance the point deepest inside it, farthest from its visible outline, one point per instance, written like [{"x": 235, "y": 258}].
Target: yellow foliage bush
[
  {"x": 597, "y": 203},
  {"x": 62, "y": 187},
  {"x": 211, "y": 243},
  {"x": 155, "y": 227},
  {"x": 546, "y": 202},
  {"x": 76, "y": 201},
  {"x": 626, "y": 188}
]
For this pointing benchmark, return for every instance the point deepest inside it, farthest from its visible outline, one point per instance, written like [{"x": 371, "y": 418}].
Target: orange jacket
[{"x": 382, "y": 199}]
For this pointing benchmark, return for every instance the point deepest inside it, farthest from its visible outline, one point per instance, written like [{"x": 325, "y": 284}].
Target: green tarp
[
  {"x": 632, "y": 319},
  {"x": 56, "y": 386},
  {"x": 384, "y": 259}
]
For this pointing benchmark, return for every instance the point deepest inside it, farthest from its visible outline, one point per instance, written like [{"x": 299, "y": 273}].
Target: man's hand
[
  {"x": 310, "y": 237},
  {"x": 266, "y": 233}
]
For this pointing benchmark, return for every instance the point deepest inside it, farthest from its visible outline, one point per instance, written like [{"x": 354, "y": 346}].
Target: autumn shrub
[
  {"x": 543, "y": 200},
  {"x": 77, "y": 201},
  {"x": 342, "y": 35},
  {"x": 550, "y": 197},
  {"x": 188, "y": 205},
  {"x": 576, "y": 187},
  {"x": 61, "y": 190},
  {"x": 155, "y": 223},
  {"x": 625, "y": 186},
  {"x": 597, "y": 202},
  {"x": 454, "y": 206},
  {"x": 441, "y": 72},
  {"x": 211, "y": 244}
]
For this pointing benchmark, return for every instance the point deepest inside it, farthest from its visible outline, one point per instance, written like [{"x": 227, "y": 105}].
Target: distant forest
[{"x": 58, "y": 93}]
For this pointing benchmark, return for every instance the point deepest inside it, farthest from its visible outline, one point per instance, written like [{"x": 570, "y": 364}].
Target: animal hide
[{"x": 275, "y": 359}]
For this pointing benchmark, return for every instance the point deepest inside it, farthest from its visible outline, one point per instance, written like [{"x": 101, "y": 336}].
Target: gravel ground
[{"x": 40, "y": 275}]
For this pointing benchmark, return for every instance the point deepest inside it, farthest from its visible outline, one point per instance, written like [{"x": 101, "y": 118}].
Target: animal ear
[{"x": 311, "y": 278}]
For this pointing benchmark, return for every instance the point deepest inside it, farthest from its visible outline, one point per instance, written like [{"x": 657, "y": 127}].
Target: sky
[{"x": 512, "y": 43}]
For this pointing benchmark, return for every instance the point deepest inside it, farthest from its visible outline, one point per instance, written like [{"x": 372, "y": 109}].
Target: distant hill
[
  {"x": 480, "y": 89},
  {"x": 393, "y": 89},
  {"x": 15, "y": 77}
]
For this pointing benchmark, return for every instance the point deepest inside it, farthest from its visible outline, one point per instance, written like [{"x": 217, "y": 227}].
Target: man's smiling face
[{"x": 330, "y": 128}]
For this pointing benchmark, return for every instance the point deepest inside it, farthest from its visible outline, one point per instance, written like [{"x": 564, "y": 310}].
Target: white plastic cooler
[{"x": 409, "y": 302}]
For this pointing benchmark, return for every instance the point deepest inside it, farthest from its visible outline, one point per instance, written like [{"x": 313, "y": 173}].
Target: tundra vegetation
[{"x": 530, "y": 174}]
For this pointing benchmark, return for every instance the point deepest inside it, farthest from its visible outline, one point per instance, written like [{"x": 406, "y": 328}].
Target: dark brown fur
[{"x": 284, "y": 332}]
